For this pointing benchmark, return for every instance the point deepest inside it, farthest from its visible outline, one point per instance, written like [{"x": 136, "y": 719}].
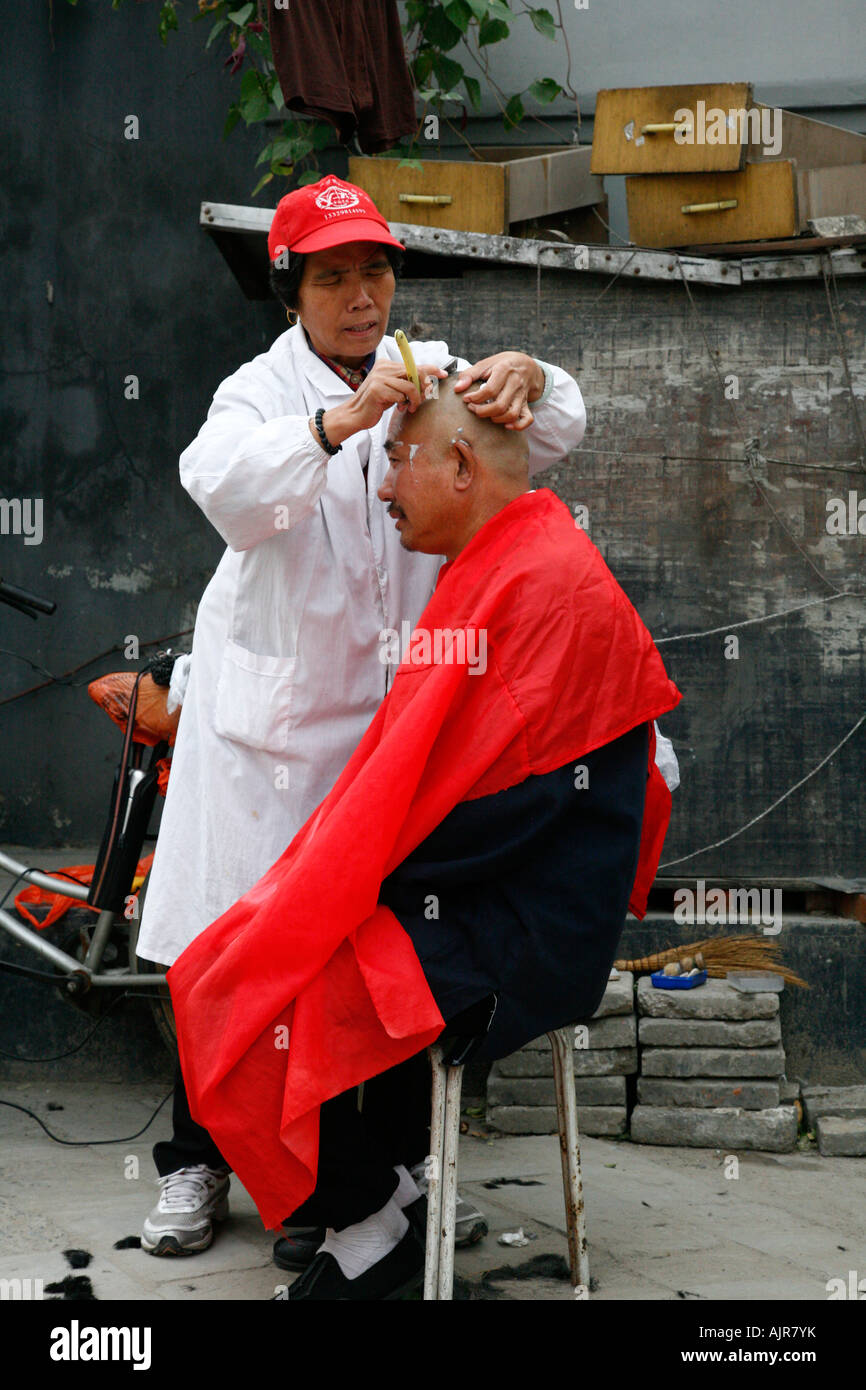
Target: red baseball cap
[{"x": 324, "y": 214}]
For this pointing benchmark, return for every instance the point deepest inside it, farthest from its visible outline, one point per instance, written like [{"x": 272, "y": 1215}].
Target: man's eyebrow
[{"x": 391, "y": 445}]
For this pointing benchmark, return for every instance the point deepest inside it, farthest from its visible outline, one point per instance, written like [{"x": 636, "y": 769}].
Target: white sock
[
  {"x": 408, "y": 1190},
  {"x": 357, "y": 1248}
]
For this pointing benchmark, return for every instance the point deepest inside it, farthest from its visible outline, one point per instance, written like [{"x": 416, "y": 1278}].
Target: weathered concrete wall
[{"x": 694, "y": 544}]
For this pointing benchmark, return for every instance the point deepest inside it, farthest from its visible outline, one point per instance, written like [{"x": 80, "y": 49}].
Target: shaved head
[
  {"x": 446, "y": 421},
  {"x": 451, "y": 470}
]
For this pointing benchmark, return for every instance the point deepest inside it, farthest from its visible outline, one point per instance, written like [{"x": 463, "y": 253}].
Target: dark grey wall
[{"x": 112, "y": 224}]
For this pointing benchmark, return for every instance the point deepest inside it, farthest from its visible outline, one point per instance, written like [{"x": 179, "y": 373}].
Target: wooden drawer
[
  {"x": 774, "y": 198},
  {"x": 765, "y": 195},
  {"x": 621, "y": 143},
  {"x": 511, "y": 184}
]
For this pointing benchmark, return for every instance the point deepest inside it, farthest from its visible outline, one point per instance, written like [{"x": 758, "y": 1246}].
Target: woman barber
[{"x": 286, "y": 671}]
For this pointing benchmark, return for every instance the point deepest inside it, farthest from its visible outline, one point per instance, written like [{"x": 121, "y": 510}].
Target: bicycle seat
[{"x": 153, "y": 723}]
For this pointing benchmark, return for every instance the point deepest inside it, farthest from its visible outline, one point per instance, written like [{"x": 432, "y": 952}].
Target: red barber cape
[{"x": 306, "y": 987}]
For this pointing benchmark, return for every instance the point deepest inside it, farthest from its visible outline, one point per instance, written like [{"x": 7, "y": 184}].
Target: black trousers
[{"x": 357, "y": 1149}]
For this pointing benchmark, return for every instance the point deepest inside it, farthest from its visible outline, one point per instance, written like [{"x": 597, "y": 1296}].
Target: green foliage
[
  {"x": 514, "y": 113},
  {"x": 439, "y": 30},
  {"x": 255, "y": 98},
  {"x": 544, "y": 90},
  {"x": 435, "y": 27},
  {"x": 492, "y": 31},
  {"x": 544, "y": 23},
  {"x": 459, "y": 14},
  {"x": 473, "y": 90},
  {"x": 421, "y": 66},
  {"x": 217, "y": 29},
  {"x": 448, "y": 71},
  {"x": 167, "y": 20}
]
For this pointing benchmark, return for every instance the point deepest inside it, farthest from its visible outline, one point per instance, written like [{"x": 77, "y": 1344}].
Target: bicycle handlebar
[{"x": 25, "y": 601}]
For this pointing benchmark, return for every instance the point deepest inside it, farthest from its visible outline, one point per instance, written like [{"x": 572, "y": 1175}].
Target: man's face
[
  {"x": 419, "y": 488},
  {"x": 345, "y": 299}
]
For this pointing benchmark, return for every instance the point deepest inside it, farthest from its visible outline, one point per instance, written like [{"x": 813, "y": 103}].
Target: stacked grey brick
[
  {"x": 712, "y": 1070},
  {"x": 520, "y": 1091},
  {"x": 837, "y": 1114}
]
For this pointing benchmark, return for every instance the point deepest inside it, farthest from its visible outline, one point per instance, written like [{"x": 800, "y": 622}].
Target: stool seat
[{"x": 442, "y": 1168}]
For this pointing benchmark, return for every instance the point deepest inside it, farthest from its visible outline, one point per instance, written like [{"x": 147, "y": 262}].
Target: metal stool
[{"x": 442, "y": 1170}]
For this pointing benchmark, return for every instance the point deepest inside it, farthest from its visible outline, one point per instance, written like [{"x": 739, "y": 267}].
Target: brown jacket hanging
[{"x": 343, "y": 61}]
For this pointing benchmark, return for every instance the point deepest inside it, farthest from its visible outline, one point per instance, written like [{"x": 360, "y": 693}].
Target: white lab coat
[{"x": 286, "y": 669}]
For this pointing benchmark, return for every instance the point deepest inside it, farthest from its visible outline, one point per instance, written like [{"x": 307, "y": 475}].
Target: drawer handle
[
  {"x": 662, "y": 127},
  {"x": 437, "y": 199},
  {"x": 709, "y": 207}
]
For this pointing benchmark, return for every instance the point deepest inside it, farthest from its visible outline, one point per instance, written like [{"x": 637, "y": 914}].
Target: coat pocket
[{"x": 254, "y": 698}]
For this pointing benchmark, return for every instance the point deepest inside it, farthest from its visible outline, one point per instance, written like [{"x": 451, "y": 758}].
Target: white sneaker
[
  {"x": 470, "y": 1224},
  {"x": 189, "y": 1201}
]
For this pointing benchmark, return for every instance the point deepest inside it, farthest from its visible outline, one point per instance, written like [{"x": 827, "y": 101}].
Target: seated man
[{"x": 472, "y": 866}]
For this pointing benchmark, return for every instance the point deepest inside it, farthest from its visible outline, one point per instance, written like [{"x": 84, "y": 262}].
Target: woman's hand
[
  {"x": 513, "y": 380},
  {"x": 386, "y": 385}
]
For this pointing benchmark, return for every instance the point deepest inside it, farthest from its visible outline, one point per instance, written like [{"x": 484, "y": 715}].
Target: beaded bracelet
[{"x": 323, "y": 438}]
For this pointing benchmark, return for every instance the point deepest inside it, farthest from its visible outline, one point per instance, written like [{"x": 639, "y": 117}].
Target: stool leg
[
  {"x": 453, "y": 1084},
  {"x": 434, "y": 1176},
  {"x": 569, "y": 1143}
]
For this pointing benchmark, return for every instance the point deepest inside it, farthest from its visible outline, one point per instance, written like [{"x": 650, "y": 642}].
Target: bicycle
[{"x": 95, "y": 961}]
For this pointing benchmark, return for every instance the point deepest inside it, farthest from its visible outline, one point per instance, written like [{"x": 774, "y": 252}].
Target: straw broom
[{"x": 721, "y": 954}]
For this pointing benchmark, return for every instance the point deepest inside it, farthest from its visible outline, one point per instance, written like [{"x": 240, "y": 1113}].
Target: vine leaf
[
  {"x": 439, "y": 30},
  {"x": 473, "y": 88},
  {"x": 459, "y": 14},
  {"x": 544, "y": 22},
  {"x": 448, "y": 72},
  {"x": 216, "y": 30},
  {"x": 266, "y": 178},
  {"x": 514, "y": 112},
  {"x": 545, "y": 90},
  {"x": 492, "y": 31}
]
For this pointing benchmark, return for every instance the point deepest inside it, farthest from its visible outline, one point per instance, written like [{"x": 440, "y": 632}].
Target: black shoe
[
  {"x": 396, "y": 1274},
  {"x": 297, "y": 1249}
]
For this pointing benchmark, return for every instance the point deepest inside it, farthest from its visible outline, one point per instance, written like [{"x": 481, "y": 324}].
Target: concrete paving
[{"x": 663, "y": 1223}]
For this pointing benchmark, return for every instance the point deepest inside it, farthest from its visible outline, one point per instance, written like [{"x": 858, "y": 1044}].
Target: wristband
[{"x": 548, "y": 383}]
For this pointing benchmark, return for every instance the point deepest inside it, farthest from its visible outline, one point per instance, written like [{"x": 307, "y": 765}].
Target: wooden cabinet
[
  {"x": 707, "y": 165},
  {"x": 510, "y": 184}
]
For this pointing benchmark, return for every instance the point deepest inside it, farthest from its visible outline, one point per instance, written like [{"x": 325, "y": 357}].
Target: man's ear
[{"x": 467, "y": 462}]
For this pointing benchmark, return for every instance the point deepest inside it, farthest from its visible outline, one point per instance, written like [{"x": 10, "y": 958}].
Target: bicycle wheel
[{"x": 160, "y": 1007}]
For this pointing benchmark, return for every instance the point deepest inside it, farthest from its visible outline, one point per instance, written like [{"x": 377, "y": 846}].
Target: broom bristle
[{"x": 721, "y": 954}]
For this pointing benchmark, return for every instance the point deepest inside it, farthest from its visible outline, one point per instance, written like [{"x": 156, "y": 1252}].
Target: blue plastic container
[{"x": 662, "y": 981}]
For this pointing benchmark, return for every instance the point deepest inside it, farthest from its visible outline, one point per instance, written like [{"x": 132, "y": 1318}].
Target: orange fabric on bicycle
[
  {"x": 38, "y": 897},
  {"x": 306, "y": 987},
  {"x": 153, "y": 723}
]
